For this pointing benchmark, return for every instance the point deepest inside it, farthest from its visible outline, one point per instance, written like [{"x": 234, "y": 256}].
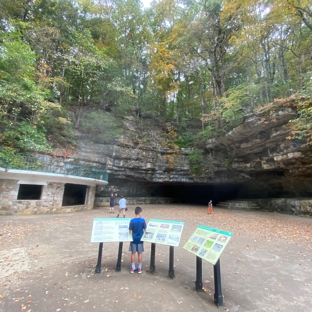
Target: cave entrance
[
  {"x": 197, "y": 194},
  {"x": 74, "y": 194}
]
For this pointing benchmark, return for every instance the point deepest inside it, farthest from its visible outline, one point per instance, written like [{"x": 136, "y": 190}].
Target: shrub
[
  {"x": 196, "y": 162},
  {"x": 26, "y": 137}
]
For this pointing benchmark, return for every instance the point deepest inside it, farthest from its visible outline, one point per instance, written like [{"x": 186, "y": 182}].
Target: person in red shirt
[{"x": 210, "y": 207}]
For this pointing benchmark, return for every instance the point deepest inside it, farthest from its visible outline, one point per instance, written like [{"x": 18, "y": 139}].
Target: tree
[
  {"x": 20, "y": 95},
  {"x": 210, "y": 36}
]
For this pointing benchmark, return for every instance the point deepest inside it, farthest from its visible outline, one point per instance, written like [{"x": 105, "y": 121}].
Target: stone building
[{"x": 25, "y": 192}]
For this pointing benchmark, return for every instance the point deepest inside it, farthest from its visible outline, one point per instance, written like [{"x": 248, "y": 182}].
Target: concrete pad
[{"x": 48, "y": 264}]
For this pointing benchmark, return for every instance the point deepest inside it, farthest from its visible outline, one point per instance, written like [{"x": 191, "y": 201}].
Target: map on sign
[
  {"x": 164, "y": 232},
  {"x": 208, "y": 243},
  {"x": 110, "y": 230}
]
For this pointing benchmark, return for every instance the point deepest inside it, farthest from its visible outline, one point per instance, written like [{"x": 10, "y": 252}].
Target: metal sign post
[
  {"x": 98, "y": 265},
  {"x": 199, "y": 274},
  {"x": 152, "y": 263},
  {"x": 218, "y": 298},
  {"x": 118, "y": 265},
  {"x": 171, "y": 261}
]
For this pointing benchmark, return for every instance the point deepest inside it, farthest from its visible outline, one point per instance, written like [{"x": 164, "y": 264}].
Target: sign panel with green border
[
  {"x": 208, "y": 243},
  {"x": 166, "y": 232}
]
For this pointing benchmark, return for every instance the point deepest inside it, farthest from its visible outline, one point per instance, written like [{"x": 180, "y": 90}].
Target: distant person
[
  {"x": 137, "y": 227},
  {"x": 210, "y": 207},
  {"x": 112, "y": 199},
  {"x": 122, "y": 207}
]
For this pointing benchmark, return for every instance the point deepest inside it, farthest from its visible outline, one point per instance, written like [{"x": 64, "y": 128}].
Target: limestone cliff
[{"x": 255, "y": 156}]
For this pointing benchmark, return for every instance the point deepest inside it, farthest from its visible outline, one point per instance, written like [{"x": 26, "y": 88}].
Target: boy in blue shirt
[{"x": 137, "y": 227}]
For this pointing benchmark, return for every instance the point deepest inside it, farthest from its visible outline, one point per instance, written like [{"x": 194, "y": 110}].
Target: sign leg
[
  {"x": 218, "y": 299},
  {"x": 152, "y": 263},
  {"x": 98, "y": 265},
  {"x": 118, "y": 265},
  {"x": 171, "y": 261},
  {"x": 199, "y": 274}
]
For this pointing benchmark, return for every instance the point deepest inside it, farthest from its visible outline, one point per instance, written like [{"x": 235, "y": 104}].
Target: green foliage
[
  {"x": 58, "y": 125},
  {"x": 201, "y": 137},
  {"x": 25, "y": 137},
  {"x": 16, "y": 58},
  {"x": 122, "y": 96},
  {"x": 101, "y": 125},
  {"x": 232, "y": 105},
  {"x": 10, "y": 158},
  {"x": 184, "y": 140},
  {"x": 307, "y": 91},
  {"x": 183, "y": 61},
  {"x": 20, "y": 94},
  {"x": 196, "y": 162},
  {"x": 302, "y": 126},
  {"x": 205, "y": 134}
]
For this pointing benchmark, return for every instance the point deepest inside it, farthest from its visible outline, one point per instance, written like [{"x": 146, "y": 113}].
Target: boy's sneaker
[
  {"x": 131, "y": 271},
  {"x": 139, "y": 271}
]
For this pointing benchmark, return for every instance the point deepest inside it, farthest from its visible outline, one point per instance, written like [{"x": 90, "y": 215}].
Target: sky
[{"x": 146, "y": 3}]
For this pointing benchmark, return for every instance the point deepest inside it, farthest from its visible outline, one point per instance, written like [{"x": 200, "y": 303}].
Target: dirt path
[{"x": 47, "y": 263}]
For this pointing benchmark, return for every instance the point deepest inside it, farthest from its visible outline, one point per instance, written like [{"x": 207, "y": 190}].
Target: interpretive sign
[
  {"x": 164, "y": 232},
  {"x": 110, "y": 230},
  {"x": 208, "y": 243}
]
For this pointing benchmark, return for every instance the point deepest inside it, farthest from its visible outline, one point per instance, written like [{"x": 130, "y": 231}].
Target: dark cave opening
[
  {"x": 196, "y": 194},
  {"x": 272, "y": 184}
]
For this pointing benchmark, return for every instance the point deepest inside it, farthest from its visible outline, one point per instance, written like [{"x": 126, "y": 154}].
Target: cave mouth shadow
[
  {"x": 196, "y": 194},
  {"x": 260, "y": 187}
]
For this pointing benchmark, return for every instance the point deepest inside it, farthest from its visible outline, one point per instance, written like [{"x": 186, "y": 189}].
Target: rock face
[
  {"x": 296, "y": 206},
  {"x": 263, "y": 160},
  {"x": 255, "y": 160}
]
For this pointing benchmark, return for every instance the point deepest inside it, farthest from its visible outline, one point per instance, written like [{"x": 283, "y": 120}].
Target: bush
[
  {"x": 10, "y": 159},
  {"x": 184, "y": 141},
  {"x": 26, "y": 137},
  {"x": 196, "y": 162},
  {"x": 58, "y": 124}
]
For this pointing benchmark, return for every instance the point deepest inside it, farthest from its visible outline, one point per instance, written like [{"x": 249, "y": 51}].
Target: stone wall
[
  {"x": 296, "y": 206},
  {"x": 50, "y": 202}
]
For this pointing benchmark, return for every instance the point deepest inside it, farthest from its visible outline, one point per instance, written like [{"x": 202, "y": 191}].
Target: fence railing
[{"x": 32, "y": 163}]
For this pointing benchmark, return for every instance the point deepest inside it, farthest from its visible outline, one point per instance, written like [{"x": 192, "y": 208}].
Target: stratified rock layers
[{"x": 256, "y": 156}]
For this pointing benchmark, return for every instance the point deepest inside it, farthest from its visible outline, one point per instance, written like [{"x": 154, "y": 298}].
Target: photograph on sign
[
  {"x": 164, "y": 232},
  {"x": 208, "y": 243},
  {"x": 110, "y": 230}
]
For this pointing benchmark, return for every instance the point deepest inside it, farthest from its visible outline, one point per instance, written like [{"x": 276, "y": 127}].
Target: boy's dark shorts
[{"x": 136, "y": 248}]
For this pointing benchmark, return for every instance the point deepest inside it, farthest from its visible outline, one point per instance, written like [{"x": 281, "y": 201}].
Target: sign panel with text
[
  {"x": 164, "y": 232},
  {"x": 110, "y": 230},
  {"x": 208, "y": 243}
]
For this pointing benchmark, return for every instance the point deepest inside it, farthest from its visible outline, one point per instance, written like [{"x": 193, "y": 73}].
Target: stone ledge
[{"x": 296, "y": 206}]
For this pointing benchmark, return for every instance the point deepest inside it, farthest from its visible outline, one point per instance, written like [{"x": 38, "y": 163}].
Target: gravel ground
[{"x": 47, "y": 263}]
